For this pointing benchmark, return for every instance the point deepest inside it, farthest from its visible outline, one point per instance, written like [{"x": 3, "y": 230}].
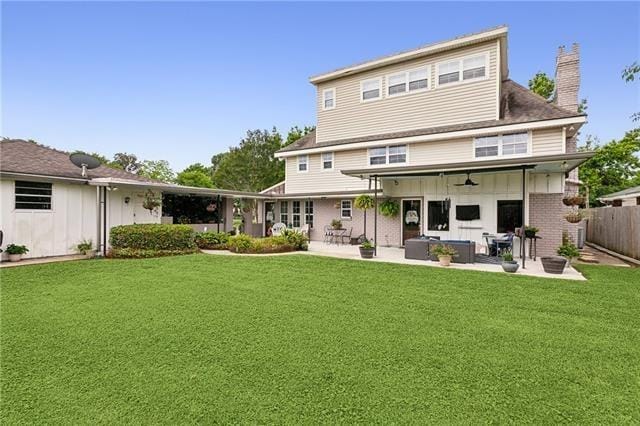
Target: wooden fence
[{"x": 616, "y": 228}]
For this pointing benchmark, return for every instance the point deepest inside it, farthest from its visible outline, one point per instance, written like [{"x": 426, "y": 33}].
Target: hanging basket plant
[
  {"x": 575, "y": 200},
  {"x": 151, "y": 201},
  {"x": 389, "y": 208},
  {"x": 211, "y": 208},
  {"x": 364, "y": 202},
  {"x": 575, "y": 216}
]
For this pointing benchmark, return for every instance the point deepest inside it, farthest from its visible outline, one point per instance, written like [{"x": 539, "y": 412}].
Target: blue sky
[{"x": 182, "y": 81}]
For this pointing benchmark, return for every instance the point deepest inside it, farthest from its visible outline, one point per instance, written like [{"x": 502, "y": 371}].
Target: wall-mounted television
[{"x": 468, "y": 212}]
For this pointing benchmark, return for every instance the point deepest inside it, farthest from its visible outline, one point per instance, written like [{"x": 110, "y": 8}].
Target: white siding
[
  {"x": 317, "y": 180},
  {"x": 72, "y": 218},
  {"x": 548, "y": 141},
  {"x": 444, "y": 105}
]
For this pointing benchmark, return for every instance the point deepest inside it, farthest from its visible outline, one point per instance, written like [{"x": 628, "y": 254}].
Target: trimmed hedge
[
  {"x": 130, "y": 253},
  {"x": 153, "y": 236},
  {"x": 288, "y": 241},
  {"x": 212, "y": 240}
]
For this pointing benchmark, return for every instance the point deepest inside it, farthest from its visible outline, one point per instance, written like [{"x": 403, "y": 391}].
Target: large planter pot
[
  {"x": 553, "y": 264},
  {"x": 366, "y": 253},
  {"x": 529, "y": 234},
  {"x": 444, "y": 260},
  {"x": 15, "y": 257},
  {"x": 510, "y": 266}
]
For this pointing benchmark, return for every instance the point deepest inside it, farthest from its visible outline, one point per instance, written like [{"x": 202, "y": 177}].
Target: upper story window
[
  {"x": 327, "y": 161},
  {"x": 370, "y": 89},
  {"x": 408, "y": 81},
  {"x": 463, "y": 69},
  {"x": 499, "y": 145},
  {"x": 388, "y": 155},
  {"x": 33, "y": 195},
  {"x": 303, "y": 163},
  {"x": 328, "y": 99}
]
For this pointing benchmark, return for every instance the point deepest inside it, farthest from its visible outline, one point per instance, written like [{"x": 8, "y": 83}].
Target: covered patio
[{"x": 471, "y": 201}]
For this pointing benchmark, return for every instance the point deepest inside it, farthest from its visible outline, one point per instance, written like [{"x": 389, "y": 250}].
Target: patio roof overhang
[
  {"x": 557, "y": 163},
  {"x": 176, "y": 189},
  {"x": 322, "y": 195}
]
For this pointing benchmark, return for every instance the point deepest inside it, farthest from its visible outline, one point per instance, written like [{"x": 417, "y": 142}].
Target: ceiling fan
[{"x": 467, "y": 182}]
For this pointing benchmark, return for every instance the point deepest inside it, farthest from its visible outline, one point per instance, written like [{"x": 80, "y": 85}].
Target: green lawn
[{"x": 293, "y": 339}]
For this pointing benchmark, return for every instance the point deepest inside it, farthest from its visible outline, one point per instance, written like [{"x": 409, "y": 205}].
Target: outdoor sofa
[{"x": 420, "y": 249}]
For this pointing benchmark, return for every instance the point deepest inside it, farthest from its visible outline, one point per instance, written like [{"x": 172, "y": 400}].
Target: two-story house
[{"x": 442, "y": 130}]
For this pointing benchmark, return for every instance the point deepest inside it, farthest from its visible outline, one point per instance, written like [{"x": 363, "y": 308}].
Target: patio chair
[
  {"x": 277, "y": 228},
  {"x": 346, "y": 235},
  {"x": 502, "y": 245},
  {"x": 304, "y": 230},
  {"x": 328, "y": 234}
]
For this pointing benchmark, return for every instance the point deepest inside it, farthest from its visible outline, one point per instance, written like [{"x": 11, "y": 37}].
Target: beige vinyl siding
[
  {"x": 439, "y": 152},
  {"x": 547, "y": 141},
  {"x": 315, "y": 179},
  {"x": 448, "y": 104}
]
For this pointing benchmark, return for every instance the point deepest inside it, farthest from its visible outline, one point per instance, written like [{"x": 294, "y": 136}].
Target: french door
[{"x": 411, "y": 219}]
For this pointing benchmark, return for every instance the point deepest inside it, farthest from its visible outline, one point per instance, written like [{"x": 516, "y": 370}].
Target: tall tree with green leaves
[
  {"x": 127, "y": 162},
  {"x": 196, "y": 174},
  {"x": 157, "y": 169},
  {"x": 542, "y": 85},
  {"x": 614, "y": 167}
]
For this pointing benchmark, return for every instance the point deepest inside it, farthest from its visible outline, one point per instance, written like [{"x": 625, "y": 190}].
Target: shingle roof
[
  {"x": 517, "y": 105},
  {"x": 20, "y": 156},
  {"x": 629, "y": 191}
]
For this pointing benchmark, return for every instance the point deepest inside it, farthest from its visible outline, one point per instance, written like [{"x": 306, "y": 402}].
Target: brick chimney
[{"x": 568, "y": 77}]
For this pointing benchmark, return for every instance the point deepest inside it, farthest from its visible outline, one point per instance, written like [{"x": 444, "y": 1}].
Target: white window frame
[
  {"x": 322, "y": 161},
  {"x": 331, "y": 90},
  {"x": 362, "y": 83},
  {"x": 406, "y": 74},
  {"x": 305, "y": 162},
  {"x": 386, "y": 155},
  {"x": 299, "y": 215},
  {"x": 17, "y": 194},
  {"x": 501, "y": 154},
  {"x": 284, "y": 214},
  {"x": 460, "y": 61},
  {"x": 308, "y": 206},
  {"x": 342, "y": 209}
]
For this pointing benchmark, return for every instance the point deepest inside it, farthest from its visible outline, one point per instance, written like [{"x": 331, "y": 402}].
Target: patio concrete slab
[{"x": 396, "y": 255}]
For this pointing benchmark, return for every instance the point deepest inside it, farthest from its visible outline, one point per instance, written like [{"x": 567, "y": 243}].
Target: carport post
[{"x": 523, "y": 252}]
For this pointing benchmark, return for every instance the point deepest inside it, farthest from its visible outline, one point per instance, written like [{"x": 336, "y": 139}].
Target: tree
[
  {"x": 251, "y": 166},
  {"x": 542, "y": 85},
  {"x": 296, "y": 133},
  {"x": 629, "y": 74},
  {"x": 126, "y": 162},
  {"x": 159, "y": 170},
  {"x": 194, "y": 178},
  {"x": 198, "y": 167},
  {"x": 614, "y": 167}
]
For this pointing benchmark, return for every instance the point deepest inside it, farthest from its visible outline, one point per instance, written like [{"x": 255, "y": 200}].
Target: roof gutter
[{"x": 39, "y": 176}]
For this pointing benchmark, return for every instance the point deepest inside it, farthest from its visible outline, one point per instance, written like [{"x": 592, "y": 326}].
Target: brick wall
[
  {"x": 546, "y": 212},
  {"x": 568, "y": 77},
  {"x": 325, "y": 211}
]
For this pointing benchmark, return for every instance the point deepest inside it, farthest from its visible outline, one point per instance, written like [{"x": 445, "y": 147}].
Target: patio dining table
[{"x": 336, "y": 235}]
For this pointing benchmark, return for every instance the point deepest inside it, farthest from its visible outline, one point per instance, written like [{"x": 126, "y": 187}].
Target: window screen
[{"x": 33, "y": 195}]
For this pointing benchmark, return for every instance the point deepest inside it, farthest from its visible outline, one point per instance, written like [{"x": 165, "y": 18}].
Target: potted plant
[
  {"x": 389, "y": 208},
  {"x": 336, "y": 224},
  {"x": 569, "y": 251},
  {"x": 553, "y": 264},
  {"x": 530, "y": 231},
  {"x": 15, "y": 252},
  {"x": 85, "y": 247},
  {"x": 366, "y": 249},
  {"x": 508, "y": 264},
  {"x": 444, "y": 253},
  {"x": 364, "y": 202},
  {"x": 575, "y": 200}
]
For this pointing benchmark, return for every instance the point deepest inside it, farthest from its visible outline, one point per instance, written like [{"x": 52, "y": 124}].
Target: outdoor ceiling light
[{"x": 127, "y": 199}]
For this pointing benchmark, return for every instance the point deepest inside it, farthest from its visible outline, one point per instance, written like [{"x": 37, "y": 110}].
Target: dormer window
[
  {"x": 474, "y": 67},
  {"x": 408, "y": 81},
  {"x": 464, "y": 69},
  {"x": 328, "y": 99},
  {"x": 370, "y": 90},
  {"x": 303, "y": 163},
  {"x": 327, "y": 161}
]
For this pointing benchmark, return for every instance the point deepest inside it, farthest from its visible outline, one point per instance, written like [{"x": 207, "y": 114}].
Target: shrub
[
  {"x": 444, "y": 250},
  {"x": 131, "y": 253},
  {"x": 569, "y": 251},
  {"x": 84, "y": 246},
  {"x": 241, "y": 243},
  {"x": 212, "y": 240},
  {"x": 297, "y": 239},
  {"x": 153, "y": 236}
]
